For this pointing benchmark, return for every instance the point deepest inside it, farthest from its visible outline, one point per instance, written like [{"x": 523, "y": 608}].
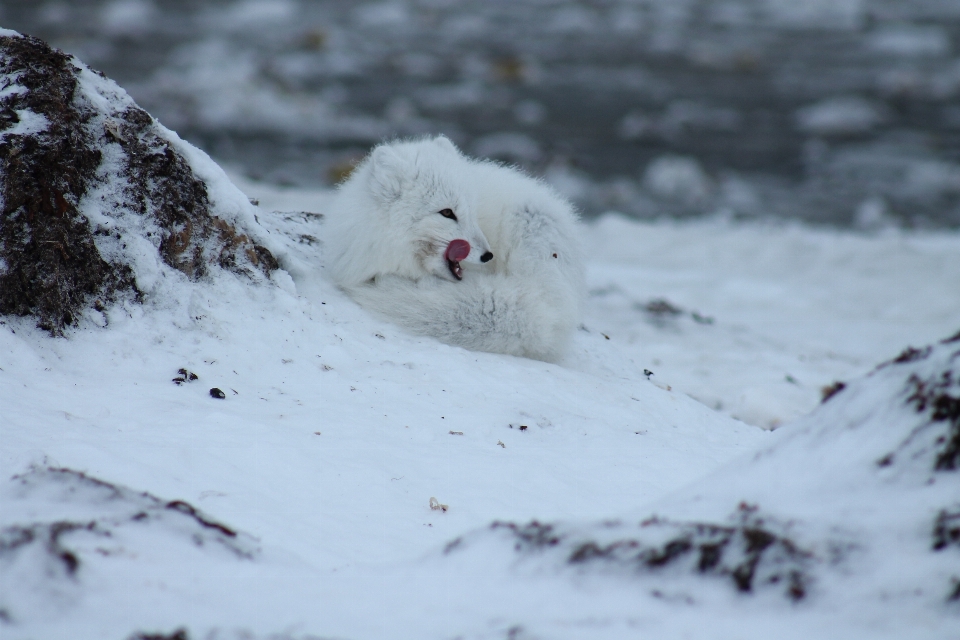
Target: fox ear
[
  {"x": 444, "y": 143},
  {"x": 388, "y": 172}
]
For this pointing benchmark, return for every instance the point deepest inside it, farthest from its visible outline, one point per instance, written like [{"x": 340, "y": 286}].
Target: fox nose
[{"x": 486, "y": 257}]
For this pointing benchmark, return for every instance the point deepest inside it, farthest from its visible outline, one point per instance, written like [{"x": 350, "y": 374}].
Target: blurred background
[{"x": 837, "y": 112}]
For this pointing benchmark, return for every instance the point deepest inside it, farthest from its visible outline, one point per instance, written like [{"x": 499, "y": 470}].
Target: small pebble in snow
[
  {"x": 523, "y": 427},
  {"x": 647, "y": 373},
  {"x": 500, "y": 444},
  {"x": 217, "y": 393},
  {"x": 185, "y": 376},
  {"x": 436, "y": 506},
  {"x": 456, "y": 433}
]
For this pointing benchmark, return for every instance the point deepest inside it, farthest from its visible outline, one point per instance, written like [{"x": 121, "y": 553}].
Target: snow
[
  {"x": 28, "y": 123},
  {"x": 335, "y": 435},
  {"x": 300, "y": 502},
  {"x": 784, "y": 310}
]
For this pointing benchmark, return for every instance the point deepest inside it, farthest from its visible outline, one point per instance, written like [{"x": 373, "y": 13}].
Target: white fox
[{"x": 471, "y": 252}]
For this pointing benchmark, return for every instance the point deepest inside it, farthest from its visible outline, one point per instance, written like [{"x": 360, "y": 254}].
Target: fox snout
[{"x": 458, "y": 251}]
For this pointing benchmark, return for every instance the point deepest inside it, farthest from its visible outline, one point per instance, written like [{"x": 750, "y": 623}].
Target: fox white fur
[{"x": 385, "y": 243}]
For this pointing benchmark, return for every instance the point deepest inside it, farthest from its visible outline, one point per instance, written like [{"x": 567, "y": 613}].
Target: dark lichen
[
  {"x": 163, "y": 186},
  {"x": 48, "y": 535},
  {"x": 954, "y": 338},
  {"x": 748, "y": 552},
  {"x": 933, "y": 394},
  {"x": 662, "y": 307},
  {"x": 954, "y": 594},
  {"x": 736, "y": 551},
  {"x": 946, "y": 529},
  {"x": 52, "y": 268},
  {"x": 912, "y": 355},
  {"x": 533, "y": 535},
  {"x": 191, "y": 511},
  {"x": 831, "y": 390}
]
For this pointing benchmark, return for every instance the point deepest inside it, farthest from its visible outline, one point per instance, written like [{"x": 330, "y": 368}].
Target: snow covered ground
[{"x": 300, "y": 503}]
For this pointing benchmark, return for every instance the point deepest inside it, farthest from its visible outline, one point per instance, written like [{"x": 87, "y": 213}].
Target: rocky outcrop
[{"x": 89, "y": 182}]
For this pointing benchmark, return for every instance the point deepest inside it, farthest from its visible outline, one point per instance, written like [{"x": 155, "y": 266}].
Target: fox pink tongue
[{"x": 457, "y": 250}]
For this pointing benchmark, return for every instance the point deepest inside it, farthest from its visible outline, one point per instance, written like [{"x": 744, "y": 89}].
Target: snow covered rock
[
  {"x": 748, "y": 550},
  {"x": 63, "y": 532},
  {"x": 856, "y": 505},
  {"x": 98, "y": 198}
]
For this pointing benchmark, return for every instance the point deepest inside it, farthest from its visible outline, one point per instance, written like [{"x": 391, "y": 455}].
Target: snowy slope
[
  {"x": 783, "y": 310},
  {"x": 335, "y": 434},
  {"x": 847, "y": 525},
  {"x": 300, "y": 503}
]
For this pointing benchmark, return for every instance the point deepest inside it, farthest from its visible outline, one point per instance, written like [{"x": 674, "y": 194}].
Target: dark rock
[
  {"x": 65, "y": 133},
  {"x": 217, "y": 393}
]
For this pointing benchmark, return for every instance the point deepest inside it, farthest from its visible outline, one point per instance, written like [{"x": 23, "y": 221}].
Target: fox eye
[{"x": 448, "y": 213}]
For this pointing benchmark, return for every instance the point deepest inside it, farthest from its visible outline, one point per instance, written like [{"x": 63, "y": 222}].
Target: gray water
[{"x": 843, "y": 112}]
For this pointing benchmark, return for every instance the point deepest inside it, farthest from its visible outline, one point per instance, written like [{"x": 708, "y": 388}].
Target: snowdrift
[{"x": 854, "y": 508}]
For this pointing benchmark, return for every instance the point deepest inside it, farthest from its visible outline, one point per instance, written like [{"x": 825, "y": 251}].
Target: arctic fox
[{"x": 471, "y": 252}]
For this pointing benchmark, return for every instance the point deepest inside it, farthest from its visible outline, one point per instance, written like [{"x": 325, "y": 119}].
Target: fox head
[{"x": 409, "y": 209}]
